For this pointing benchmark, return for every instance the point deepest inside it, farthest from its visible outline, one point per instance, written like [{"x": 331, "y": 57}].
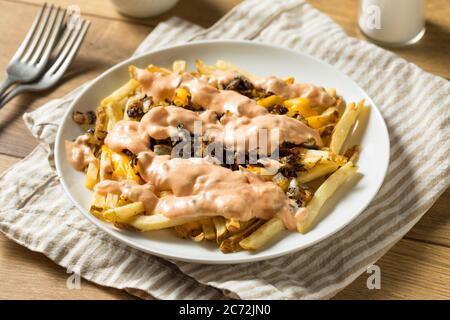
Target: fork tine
[
  {"x": 42, "y": 55},
  {"x": 63, "y": 48},
  {"x": 62, "y": 42},
  {"x": 30, "y": 33},
  {"x": 37, "y": 35},
  {"x": 70, "y": 50},
  {"x": 53, "y": 25}
]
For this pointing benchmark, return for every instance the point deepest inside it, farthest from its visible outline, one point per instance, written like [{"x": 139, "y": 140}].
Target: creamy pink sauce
[
  {"x": 162, "y": 86},
  {"x": 162, "y": 122},
  {"x": 130, "y": 190},
  {"x": 200, "y": 187},
  {"x": 79, "y": 154},
  {"x": 220, "y": 77},
  {"x": 317, "y": 95}
]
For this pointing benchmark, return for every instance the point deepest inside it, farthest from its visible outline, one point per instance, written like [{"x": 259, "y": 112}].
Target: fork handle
[
  {"x": 11, "y": 94},
  {"x": 5, "y": 85}
]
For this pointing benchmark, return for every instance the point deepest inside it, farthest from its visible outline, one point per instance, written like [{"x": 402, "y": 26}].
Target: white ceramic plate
[{"x": 262, "y": 60}]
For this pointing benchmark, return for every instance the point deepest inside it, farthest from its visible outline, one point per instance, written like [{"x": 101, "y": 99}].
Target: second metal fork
[
  {"x": 31, "y": 59},
  {"x": 66, "y": 50}
]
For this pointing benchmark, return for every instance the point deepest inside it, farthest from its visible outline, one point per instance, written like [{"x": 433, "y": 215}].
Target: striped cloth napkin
[{"x": 36, "y": 213}]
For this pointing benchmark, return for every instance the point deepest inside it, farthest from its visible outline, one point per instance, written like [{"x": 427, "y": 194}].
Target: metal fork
[
  {"x": 65, "y": 52},
  {"x": 31, "y": 58}
]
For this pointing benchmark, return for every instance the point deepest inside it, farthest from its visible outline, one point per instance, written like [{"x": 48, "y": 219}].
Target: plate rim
[{"x": 231, "y": 260}]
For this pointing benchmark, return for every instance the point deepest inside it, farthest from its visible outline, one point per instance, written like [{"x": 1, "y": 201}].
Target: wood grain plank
[
  {"x": 410, "y": 270},
  {"x": 202, "y": 12},
  {"x": 431, "y": 53},
  {"x": 29, "y": 275},
  {"x": 7, "y": 161},
  {"x": 434, "y": 227},
  {"x": 101, "y": 50}
]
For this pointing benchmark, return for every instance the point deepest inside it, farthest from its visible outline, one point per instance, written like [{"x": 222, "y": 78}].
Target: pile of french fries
[{"x": 325, "y": 169}]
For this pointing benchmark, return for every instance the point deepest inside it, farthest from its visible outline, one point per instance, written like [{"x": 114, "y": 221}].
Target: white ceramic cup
[
  {"x": 143, "y": 8},
  {"x": 392, "y": 22}
]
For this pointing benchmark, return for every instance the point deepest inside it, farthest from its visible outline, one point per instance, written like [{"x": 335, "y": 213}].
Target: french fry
[
  {"x": 157, "y": 222},
  {"x": 331, "y": 91},
  {"x": 122, "y": 168},
  {"x": 329, "y": 116},
  {"x": 132, "y": 70},
  {"x": 319, "y": 170},
  {"x": 309, "y": 217},
  {"x": 225, "y": 65},
  {"x": 188, "y": 230},
  {"x": 310, "y": 159},
  {"x": 101, "y": 120},
  {"x": 208, "y": 229},
  {"x": 97, "y": 205},
  {"x": 313, "y": 156},
  {"x": 344, "y": 126},
  {"x": 111, "y": 200},
  {"x": 264, "y": 173},
  {"x": 181, "y": 97},
  {"x": 221, "y": 228},
  {"x": 179, "y": 66},
  {"x": 114, "y": 115},
  {"x": 340, "y": 105},
  {"x": 353, "y": 153},
  {"x": 92, "y": 175},
  {"x": 106, "y": 169},
  {"x": 124, "y": 213},
  {"x": 263, "y": 235},
  {"x": 270, "y": 101},
  {"x": 231, "y": 244},
  {"x": 124, "y": 91},
  {"x": 289, "y": 80},
  {"x": 199, "y": 237},
  {"x": 281, "y": 181},
  {"x": 299, "y": 106},
  {"x": 232, "y": 225},
  {"x": 203, "y": 68}
]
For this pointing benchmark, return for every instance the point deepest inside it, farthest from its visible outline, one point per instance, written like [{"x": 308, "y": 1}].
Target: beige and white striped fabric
[{"x": 416, "y": 106}]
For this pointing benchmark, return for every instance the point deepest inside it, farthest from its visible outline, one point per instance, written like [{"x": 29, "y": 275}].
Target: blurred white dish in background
[{"x": 143, "y": 8}]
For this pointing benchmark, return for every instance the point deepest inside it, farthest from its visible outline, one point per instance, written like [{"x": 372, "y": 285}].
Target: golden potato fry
[
  {"x": 232, "y": 225},
  {"x": 263, "y": 235},
  {"x": 325, "y": 192},
  {"x": 208, "y": 229},
  {"x": 225, "y": 65},
  {"x": 330, "y": 116},
  {"x": 221, "y": 228},
  {"x": 97, "y": 205},
  {"x": 188, "y": 230},
  {"x": 321, "y": 169},
  {"x": 179, "y": 66},
  {"x": 124, "y": 91},
  {"x": 92, "y": 175},
  {"x": 124, "y": 213},
  {"x": 157, "y": 222},
  {"x": 344, "y": 127},
  {"x": 270, "y": 101},
  {"x": 231, "y": 244},
  {"x": 353, "y": 153}
]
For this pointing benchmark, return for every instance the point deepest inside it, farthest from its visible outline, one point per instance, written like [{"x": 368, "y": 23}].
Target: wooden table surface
[{"x": 417, "y": 267}]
